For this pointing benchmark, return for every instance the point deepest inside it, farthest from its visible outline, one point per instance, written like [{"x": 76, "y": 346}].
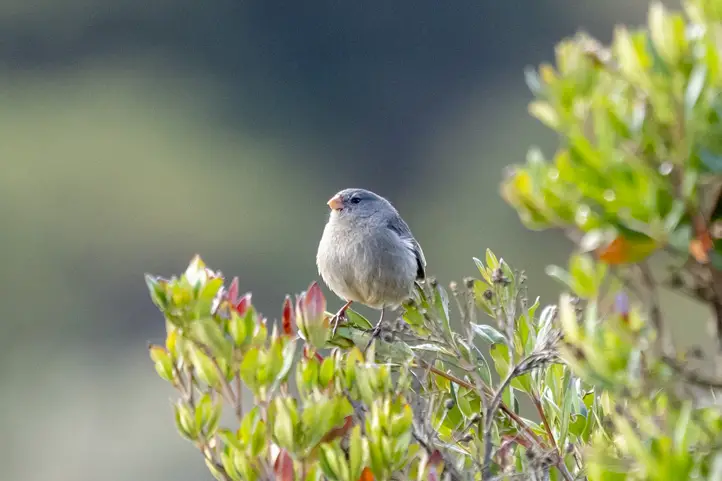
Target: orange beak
[{"x": 336, "y": 202}]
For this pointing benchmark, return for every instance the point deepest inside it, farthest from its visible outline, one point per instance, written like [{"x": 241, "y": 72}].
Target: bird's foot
[
  {"x": 341, "y": 314},
  {"x": 375, "y": 333}
]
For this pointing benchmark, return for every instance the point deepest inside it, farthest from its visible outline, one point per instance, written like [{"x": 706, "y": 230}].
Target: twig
[
  {"x": 692, "y": 376},
  {"x": 486, "y": 390},
  {"x": 539, "y": 409},
  {"x": 187, "y": 393},
  {"x": 489, "y": 423},
  {"x": 205, "y": 449},
  {"x": 448, "y": 464},
  {"x": 656, "y": 312},
  {"x": 225, "y": 386},
  {"x": 239, "y": 398},
  {"x": 716, "y": 301},
  {"x": 525, "y": 365}
]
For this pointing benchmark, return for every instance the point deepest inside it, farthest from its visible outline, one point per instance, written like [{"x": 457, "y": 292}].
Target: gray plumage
[{"x": 367, "y": 252}]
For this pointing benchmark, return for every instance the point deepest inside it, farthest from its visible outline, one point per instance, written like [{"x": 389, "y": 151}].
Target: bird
[{"x": 367, "y": 254}]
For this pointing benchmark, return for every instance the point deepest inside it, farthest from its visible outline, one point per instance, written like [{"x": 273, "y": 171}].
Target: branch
[
  {"x": 656, "y": 312},
  {"x": 692, "y": 376},
  {"x": 226, "y": 387},
  {"x": 525, "y": 365},
  {"x": 203, "y": 445},
  {"x": 487, "y": 391},
  {"x": 716, "y": 301},
  {"x": 560, "y": 461},
  {"x": 489, "y": 423},
  {"x": 448, "y": 464}
]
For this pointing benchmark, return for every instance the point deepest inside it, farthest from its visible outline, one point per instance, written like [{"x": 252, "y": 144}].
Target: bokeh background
[{"x": 135, "y": 133}]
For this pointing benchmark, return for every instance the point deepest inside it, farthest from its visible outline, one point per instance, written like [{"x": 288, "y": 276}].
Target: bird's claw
[
  {"x": 374, "y": 334},
  {"x": 335, "y": 321}
]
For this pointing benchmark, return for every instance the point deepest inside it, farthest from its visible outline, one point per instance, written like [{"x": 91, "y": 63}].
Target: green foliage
[
  {"x": 637, "y": 173},
  {"x": 640, "y": 127},
  {"x": 605, "y": 394},
  {"x": 420, "y": 403}
]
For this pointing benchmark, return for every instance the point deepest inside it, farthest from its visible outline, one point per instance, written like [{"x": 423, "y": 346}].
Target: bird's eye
[{"x": 355, "y": 200}]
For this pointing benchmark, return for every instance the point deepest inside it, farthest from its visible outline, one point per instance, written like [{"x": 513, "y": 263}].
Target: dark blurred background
[{"x": 134, "y": 134}]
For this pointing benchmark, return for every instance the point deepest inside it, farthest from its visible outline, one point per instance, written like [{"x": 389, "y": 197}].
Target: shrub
[{"x": 636, "y": 176}]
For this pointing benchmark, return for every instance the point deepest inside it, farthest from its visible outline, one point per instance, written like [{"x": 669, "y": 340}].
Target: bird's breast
[{"x": 371, "y": 267}]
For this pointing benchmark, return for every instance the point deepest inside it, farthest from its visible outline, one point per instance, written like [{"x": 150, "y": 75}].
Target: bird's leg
[
  {"x": 377, "y": 330},
  {"x": 337, "y": 317}
]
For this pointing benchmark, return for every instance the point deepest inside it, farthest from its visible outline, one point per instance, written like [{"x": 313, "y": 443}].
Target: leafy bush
[{"x": 608, "y": 396}]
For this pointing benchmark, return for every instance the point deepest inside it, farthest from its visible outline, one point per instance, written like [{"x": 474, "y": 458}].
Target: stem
[
  {"x": 537, "y": 404},
  {"x": 226, "y": 389},
  {"x": 239, "y": 398},
  {"x": 560, "y": 462},
  {"x": 187, "y": 393},
  {"x": 692, "y": 376},
  {"x": 716, "y": 288},
  {"x": 656, "y": 312},
  {"x": 486, "y": 390},
  {"x": 489, "y": 423}
]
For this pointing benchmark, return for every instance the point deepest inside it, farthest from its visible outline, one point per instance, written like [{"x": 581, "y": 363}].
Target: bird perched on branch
[{"x": 368, "y": 254}]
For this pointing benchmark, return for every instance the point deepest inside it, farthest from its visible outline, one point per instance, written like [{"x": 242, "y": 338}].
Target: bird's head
[{"x": 358, "y": 204}]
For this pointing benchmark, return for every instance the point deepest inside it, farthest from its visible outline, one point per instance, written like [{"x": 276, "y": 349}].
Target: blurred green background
[{"x": 134, "y": 134}]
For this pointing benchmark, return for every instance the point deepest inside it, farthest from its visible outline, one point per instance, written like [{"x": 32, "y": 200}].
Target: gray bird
[{"x": 368, "y": 254}]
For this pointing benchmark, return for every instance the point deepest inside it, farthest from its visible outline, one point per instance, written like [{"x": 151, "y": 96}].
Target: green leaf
[
  {"x": 289, "y": 352},
  {"x": 568, "y": 319},
  {"x": 376, "y": 457},
  {"x": 465, "y": 407},
  {"x": 571, "y": 398},
  {"x": 432, "y": 348},
  {"x": 244, "y": 466},
  {"x": 356, "y": 457},
  {"x": 491, "y": 260},
  {"x": 500, "y": 354},
  {"x": 209, "y": 333},
  {"x": 522, "y": 383},
  {"x": 581, "y": 269},
  {"x": 483, "y": 271},
  {"x": 488, "y": 333},
  {"x": 560, "y": 274},
  {"x": 203, "y": 412},
  {"x": 308, "y": 370},
  {"x": 156, "y": 288},
  {"x": 325, "y": 375},
  {"x": 206, "y": 296},
  {"x": 214, "y": 419},
  {"x": 682, "y": 428},
  {"x": 694, "y": 87},
  {"x": 229, "y": 438},
  {"x": 441, "y": 303},
  {"x": 413, "y": 317},
  {"x": 545, "y": 325},
  {"x": 283, "y": 426},
  {"x": 510, "y": 399},
  {"x": 229, "y": 466},
  {"x": 185, "y": 421},
  {"x": 274, "y": 361},
  {"x": 358, "y": 321},
  {"x": 163, "y": 363},
  {"x": 484, "y": 370},
  {"x": 241, "y": 327},
  {"x": 205, "y": 369},
  {"x": 249, "y": 367},
  {"x": 441, "y": 382}
]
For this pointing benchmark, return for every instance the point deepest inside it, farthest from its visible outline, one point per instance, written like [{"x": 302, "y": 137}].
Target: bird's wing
[{"x": 399, "y": 226}]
